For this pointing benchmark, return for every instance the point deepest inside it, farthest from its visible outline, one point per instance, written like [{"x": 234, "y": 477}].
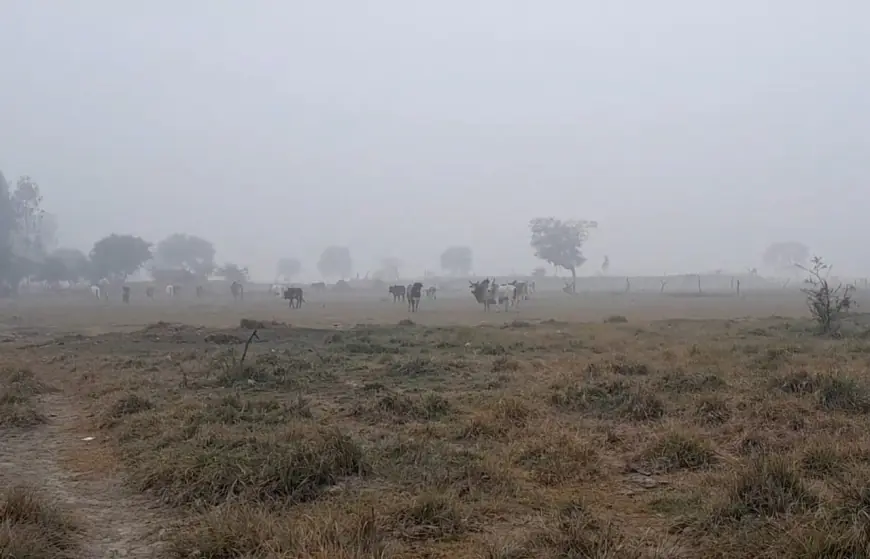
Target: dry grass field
[{"x": 599, "y": 426}]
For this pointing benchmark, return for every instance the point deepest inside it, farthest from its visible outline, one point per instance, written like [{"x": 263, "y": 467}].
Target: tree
[
  {"x": 785, "y": 255},
  {"x": 187, "y": 252},
  {"x": 826, "y": 304},
  {"x": 117, "y": 256},
  {"x": 288, "y": 267},
  {"x": 75, "y": 261},
  {"x": 233, "y": 272},
  {"x": 335, "y": 261},
  {"x": 48, "y": 232},
  {"x": 456, "y": 260},
  {"x": 561, "y": 242},
  {"x": 53, "y": 270},
  {"x": 21, "y": 215}
]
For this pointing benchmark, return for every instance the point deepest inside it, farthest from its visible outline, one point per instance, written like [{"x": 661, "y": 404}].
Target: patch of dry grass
[
  {"x": 32, "y": 527},
  {"x": 19, "y": 389},
  {"x": 677, "y": 439}
]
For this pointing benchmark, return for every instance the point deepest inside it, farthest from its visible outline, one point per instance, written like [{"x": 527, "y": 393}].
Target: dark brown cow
[
  {"x": 414, "y": 294},
  {"x": 149, "y": 292},
  {"x": 398, "y": 292},
  {"x": 125, "y": 294},
  {"x": 294, "y": 294},
  {"x": 238, "y": 290}
]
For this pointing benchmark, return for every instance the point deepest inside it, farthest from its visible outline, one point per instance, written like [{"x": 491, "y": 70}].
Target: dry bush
[
  {"x": 678, "y": 450},
  {"x": 245, "y": 530},
  {"x": 559, "y": 457},
  {"x": 611, "y": 399},
  {"x": 19, "y": 389},
  {"x": 208, "y": 454},
  {"x": 33, "y": 528},
  {"x": 767, "y": 487}
]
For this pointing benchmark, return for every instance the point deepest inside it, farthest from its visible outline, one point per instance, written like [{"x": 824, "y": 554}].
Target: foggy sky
[{"x": 696, "y": 133}]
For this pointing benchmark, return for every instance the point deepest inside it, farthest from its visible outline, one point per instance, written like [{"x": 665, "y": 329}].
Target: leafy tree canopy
[
  {"x": 561, "y": 242},
  {"x": 117, "y": 256},
  {"x": 233, "y": 272},
  {"x": 188, "y": 252}
]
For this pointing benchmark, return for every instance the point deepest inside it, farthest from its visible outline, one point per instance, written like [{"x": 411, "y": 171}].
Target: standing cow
[
  {"x": 125, "y": 294},
  {"x": 398, "y": 292},
  {"x": 149, "y": 292},
  {"x": 414, "y": 294},
  {"x": 237, "y": 290},
  {"x": 294, "y": 295}
]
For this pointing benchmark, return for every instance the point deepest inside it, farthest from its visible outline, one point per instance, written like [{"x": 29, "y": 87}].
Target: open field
[{"x": 601, "y": 426}]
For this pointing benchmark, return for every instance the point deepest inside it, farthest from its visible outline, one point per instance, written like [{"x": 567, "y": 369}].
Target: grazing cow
[
  {"x": 125, "y": 294},
  {"x": 318, "y": 286},
  {"x": 414, "y": 293},
  {"x": 200, "y": 291},
  {"x": 294, "y": 294},
  {"x": 398, "y": 292},
  {"x": 95, "y": 291},
  {"x": 149, "y": 292},
  {"x": 237, "y": 290},
  {"x": 431, "y": 292}
]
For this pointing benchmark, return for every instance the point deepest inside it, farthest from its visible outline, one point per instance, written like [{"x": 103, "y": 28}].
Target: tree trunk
[{"x": 574, "y": 280}]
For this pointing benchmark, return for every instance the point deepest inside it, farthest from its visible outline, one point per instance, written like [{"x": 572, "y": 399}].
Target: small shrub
[
  {"x": 615, "y": 319},
  {"x": 712, "y": 411},
  {"x": 34, "y": 528},
  {"x": 128, "y": 405},
  {"x": 767, "y": 487},
  {"x": 614, "y": 399},
  {"x": 574, "y": 532},
  {"x": 431, "y": 516},
  {"x": 826, "y": 304},
  {"x": 555, "y": 460},
  {"x": 822, "y": 460},
  {"x": 678, "y": 451}
]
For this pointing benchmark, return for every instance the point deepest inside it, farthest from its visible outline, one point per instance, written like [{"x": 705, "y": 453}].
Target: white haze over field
[{"x": 695, "y": 133}]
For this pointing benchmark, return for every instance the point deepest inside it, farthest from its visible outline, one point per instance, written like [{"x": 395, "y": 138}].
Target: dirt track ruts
[{"x": 115, "y": 522}]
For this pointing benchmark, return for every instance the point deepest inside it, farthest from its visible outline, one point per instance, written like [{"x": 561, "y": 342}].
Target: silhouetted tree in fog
[
  {"x": 187, "y": 252},
  {"x": 288, "y": 268},
  {"x": 75, "y": 262},
  {"x": 117, "y": 256},
  {"x": 233, "y": 272},
  {"x": 561, "y": 242},
  {"x": 457, "y": 260},
  {"x": 21, "y": 231},
  {"x": 786, "y": 255},
  {"x": 335, "y": 261}
]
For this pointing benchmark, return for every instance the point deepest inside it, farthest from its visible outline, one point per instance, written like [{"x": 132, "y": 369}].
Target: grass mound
[
  {"x": 35, "y": 528},
  {"x": 18, "y": 391}
]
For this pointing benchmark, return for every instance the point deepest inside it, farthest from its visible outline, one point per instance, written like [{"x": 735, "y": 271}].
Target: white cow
[
  {"x": 170, "y": 290},
  {"x": 503, "y": 294},
  {"x": 95, "y": 291},
  {"x": 277, "y": 290}
]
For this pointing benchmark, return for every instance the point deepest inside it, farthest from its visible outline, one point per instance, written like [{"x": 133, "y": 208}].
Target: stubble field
[{"x": 596, "y": 426}]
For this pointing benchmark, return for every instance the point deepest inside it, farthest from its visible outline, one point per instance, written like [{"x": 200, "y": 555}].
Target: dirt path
[{"x": 116, "y": 523}]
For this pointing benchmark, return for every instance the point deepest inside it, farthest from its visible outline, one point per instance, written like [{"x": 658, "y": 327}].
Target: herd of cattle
[{"x": 487, "y": 292}]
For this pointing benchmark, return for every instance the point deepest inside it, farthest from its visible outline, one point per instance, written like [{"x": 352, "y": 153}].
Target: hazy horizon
[{"x": 696, "y": 135}]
